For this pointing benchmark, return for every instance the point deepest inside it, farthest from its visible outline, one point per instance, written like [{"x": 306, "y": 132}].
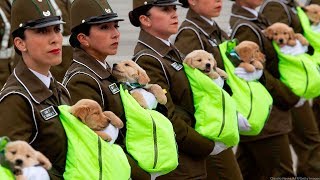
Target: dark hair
[
  {"x": 83, "y": 28},
  {"x": 136, "y": 13},
  {"x": 184, "y": 3},
  {"x": 18, "y": 33}
]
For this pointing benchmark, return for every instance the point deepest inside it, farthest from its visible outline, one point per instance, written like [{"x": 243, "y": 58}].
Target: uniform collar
[
  {"x": 153, "y": 43},
  {"x": 240, "y": 12},
  {"x": 83, "y": 58},
  {"x": 45, "y": 79},
  {"x": 32, "y": 84}
]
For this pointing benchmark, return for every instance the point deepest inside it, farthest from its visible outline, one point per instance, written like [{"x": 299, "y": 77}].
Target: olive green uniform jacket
[
  {"x": 87, "y": 79},
  {"x": 160, "y": 62},
  {"x": 6, "y": 47},
  {"x": 245, "y": 26},
  {"x": 21, "y": 102}
]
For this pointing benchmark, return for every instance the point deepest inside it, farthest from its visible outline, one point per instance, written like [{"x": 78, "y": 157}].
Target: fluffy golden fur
[
  {"x": 283, "y": 35},
  {"x": 205, "y": 62},
  {"x": 313, "y": 13},
  {"x": 21, "y": 155},
  {"x": 131, "y": 72},
  {"x": 250, "y": 55},
  {"x": 91, "y": 114}
]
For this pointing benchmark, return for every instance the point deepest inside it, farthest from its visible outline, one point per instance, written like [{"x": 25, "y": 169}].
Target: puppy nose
[
  {"x": 208, "y": 65},
  {"x": 19, "y": 162},
  {"x": 115, "y": 64},
  {"x": 280, "y": 40}
]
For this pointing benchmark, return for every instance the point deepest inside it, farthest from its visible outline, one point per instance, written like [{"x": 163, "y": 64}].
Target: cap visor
[
  {"x": 46, "y": 24},
  {"x": 169, "y": 4},
  {"x": 105, "y": 20}
]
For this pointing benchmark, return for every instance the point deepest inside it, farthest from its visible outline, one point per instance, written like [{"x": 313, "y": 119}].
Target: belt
[
  {"x": 6, "y": 53},
  {"x": 65, "y": 41}
]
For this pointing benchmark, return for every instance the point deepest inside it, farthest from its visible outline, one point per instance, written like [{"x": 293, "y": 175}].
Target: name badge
[
  {"x": 48, "y": 113},
  {"x": 114, "y": 88},
  {"x": 177, "y": 66}
]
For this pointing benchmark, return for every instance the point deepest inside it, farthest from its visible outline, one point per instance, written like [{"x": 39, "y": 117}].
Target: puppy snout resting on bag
[{"x": 137, "y": 81}]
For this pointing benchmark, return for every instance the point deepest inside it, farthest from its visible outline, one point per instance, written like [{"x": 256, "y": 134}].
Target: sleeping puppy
[
  {"x": 131, "y": 74},
  {"x": 206, "y": 63},
  {"x": 91, "y": 114},
  {"x": 283, "y": 35},
  {"x": 250, "y": 55},
  {"x": 26, "y": 160}
]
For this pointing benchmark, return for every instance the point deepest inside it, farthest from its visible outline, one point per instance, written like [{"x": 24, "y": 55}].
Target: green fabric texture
[
  {"x": 300, "y": 73},
  {"x": 89, "y": 156},
  {"x": 215, "y": 110},
  {"x": 150, "y": 137},
  {"x": 252, "y": 99},
  {"x": 6, "y": 174}
]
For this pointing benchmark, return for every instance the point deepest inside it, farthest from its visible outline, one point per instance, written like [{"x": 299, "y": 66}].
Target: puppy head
[
  {"x": 129, "y": 71},
  {"x": 201, "y": 60},
  {"x": 249, "y": 51},
  {"x": 313, "y": 13},
  {"x": 22, "y": 155},
  {"x": 90, "y": 113},
  {"x": 281, "y": 33}
]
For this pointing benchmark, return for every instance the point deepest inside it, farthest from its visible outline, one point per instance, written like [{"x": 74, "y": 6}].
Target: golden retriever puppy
[
  {"x": 205, "y": 62},
  {"x": 128, "y": 71},
  {"x": 21, "y": 155},
  {"x": 250, "y": 55},
  {"x": 283, "y": 35},
  {"x": 91, "y": 114},
  {"x": 313, "y": 13}
]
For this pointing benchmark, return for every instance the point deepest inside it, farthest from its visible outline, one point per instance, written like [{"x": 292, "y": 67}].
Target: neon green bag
[
  {"x": 215, "y": 110},
  {"x": 6, "y": 174},
  {"x": 150, "y": 138},
  {"x": 300, "y": 73},
  {"x": 88, "y": 156},
  {"x": 252, "y": 99}
]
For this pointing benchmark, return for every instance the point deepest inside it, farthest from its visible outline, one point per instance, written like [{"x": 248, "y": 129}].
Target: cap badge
[
  {"x": 145, "y": 3},
  {"x": 83, "y": 21},
  {"x": 20, "y": 25},
  {"x": 46, "y": 13},
  {"x": 108, "y": 10},
  {"x": 40, "y": 0}
]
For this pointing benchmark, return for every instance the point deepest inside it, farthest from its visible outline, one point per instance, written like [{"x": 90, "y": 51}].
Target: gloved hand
[
  {"x": 218, "y": 148},
  {"x": 35, "y": 173},
  {"x": 154, "y": 175},
  {"x": 300, "y": 102},
  {"x": 113, "y": 132},
  {"x": 243, "y": 123},
  {"x": 243, "y": 74},
  {"x": 219, "y": 81}
]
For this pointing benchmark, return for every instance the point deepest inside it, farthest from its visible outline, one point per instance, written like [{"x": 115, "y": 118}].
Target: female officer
[
  {"x": 247, "y": 24},
  {"x": 29, "y": 99},
  {"x": 305, "y": 137},
  {"x": 94, "y": 36},
  {"x": 158, "y": 20}
]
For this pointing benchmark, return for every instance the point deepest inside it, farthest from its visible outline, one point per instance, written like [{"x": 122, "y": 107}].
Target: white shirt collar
[
  {"x": 167, "y": 42},
  {"x": 43, "y": 78},
  {"x": 210, "y": 21},
  {"x": 253, "y": 11},
  {"x": 104, "y": 64}
]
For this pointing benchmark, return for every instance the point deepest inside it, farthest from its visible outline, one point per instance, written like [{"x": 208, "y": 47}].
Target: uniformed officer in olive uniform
[
  {"x": 6, "y": 48},
  {"x": 29, "y": 100}
]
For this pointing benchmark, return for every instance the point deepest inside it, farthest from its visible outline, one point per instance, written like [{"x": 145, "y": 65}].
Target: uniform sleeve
[
  {"x": 283, "y": 97},
  {"x": 280, "y": 16},
  {"x": 187, "y": 41},
  {"x": 82, "y": 86},
  {"x": 16, "y": 118},
  {"x": 189, "y": 141}
]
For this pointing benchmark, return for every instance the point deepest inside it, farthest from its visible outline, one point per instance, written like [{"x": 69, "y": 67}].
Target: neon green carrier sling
[
  {"x": 300, "y": 73},
  {"x": 252, "y": 99},
  {"x": 312, "y": 36},
  {"x": 215, "y": 110},
  {"x": 89, "y": 156},
  {"x": 150, "y": 138},
  {"x": 5, "y": 174}
]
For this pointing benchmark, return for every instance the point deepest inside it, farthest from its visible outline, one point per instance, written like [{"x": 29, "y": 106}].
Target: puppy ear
[
  {"x": 188, "y": 61},
  {"x": 43, "y": 160},
  {"x": 268, "y": 32},
  {"x": 143, "y": 78},
  {"x": 80, "y": 111},
  {"x": 292, "y": 37},
  {"x": 244, "y": 52}
]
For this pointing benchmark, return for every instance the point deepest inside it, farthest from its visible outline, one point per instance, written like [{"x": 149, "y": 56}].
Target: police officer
[
  {"x": 95, "y": 36},
  {"x": 6, "y": 48},
  {"x": 305, "y": 136},
  {"x": 29, "y": 100}
]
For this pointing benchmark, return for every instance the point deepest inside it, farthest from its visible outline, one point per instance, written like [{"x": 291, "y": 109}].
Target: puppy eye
[
  {"x": 126, "y": 64},
  {"x": 13, "y": 152},
  {"x": 199, "y": 60},
  {"x": 285, "y": 33},
  {"x": 275, "y": 34},
  {"x": 27, "y": 155}
]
